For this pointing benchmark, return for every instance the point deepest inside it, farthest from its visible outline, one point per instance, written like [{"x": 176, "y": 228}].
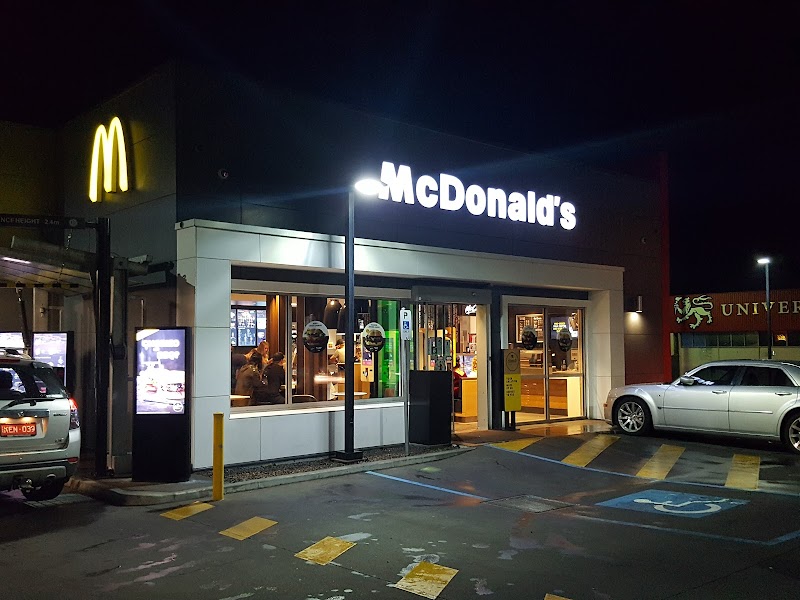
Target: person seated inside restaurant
[
  {"x": 262, "y": 350},
  {"x": 249, "y": 376},
  {"x": 274, "y": 382}
]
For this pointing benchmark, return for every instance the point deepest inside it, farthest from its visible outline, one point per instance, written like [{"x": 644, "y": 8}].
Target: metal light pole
[
  {"x": 766, "y": 261},
  {"x": 366, "y": 187}
]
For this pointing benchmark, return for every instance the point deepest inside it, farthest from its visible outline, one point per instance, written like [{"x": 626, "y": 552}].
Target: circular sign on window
[
  {"x": 564, "y": 339},
  {"x": 528, "y": 337},
  {"x": 373, "y": 337},
  {"x": 315, "y": 337}
]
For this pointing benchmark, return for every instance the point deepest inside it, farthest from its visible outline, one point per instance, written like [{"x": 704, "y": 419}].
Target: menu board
[
  {"x": 246, "y": 326},
  {"x": 52, "y": 348},
  {"x": 161, "y": 371},
  {"x": 12, "y": 339},
  {"x": 534, "y": 321},
  {"x": 261, "y": 325}
]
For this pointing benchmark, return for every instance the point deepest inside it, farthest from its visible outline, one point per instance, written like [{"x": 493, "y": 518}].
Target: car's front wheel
[
  {"x": 45, "y": 492},
  {"x": 790, "y": 432},
  {"x": 632, "y": 416}
]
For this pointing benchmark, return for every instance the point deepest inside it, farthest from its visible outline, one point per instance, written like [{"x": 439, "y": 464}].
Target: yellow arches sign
[{"x": 104, "y": 142}]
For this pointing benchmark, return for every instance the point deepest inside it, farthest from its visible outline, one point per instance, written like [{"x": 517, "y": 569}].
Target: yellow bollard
[{"x": 218, "y": 467}]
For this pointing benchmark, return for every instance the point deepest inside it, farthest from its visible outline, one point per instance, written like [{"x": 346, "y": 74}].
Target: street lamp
[
  {"x": 766, "y": 261},
  {"x": 366, "y": 187}
]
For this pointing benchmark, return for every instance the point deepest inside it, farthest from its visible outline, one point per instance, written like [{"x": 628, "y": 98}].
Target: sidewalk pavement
[{"x": 125, "y": 492}]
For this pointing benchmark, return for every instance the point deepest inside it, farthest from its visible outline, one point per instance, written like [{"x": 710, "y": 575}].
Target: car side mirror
[{"x": 685, "y": 380}]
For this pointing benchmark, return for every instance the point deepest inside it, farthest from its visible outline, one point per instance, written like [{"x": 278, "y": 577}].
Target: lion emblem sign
[{"x": 699, "y": 308}]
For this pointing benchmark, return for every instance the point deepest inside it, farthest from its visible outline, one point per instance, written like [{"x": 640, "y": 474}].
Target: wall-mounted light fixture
[{"x": 634, "y": 304}]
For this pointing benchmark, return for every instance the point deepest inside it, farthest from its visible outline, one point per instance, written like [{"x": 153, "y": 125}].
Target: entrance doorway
[
  {"x": 451, "y": 337},
  {"x": 550, "y": 340}
]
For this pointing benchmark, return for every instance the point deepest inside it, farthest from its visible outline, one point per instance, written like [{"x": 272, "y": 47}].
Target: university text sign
[{"x": 739, "y": 311}]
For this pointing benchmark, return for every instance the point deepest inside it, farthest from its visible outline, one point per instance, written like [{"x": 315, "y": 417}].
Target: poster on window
[
  {"x": 315, "y": 337},
  {"x": 367, "y": 365},
  {"x": 161, "y": 356}
]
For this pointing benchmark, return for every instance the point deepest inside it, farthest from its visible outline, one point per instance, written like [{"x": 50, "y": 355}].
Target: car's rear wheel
[
  {"x": 632, "y": 416},
  {"x": 45, "y": 492},
  {"x": 790, "y": 432}
]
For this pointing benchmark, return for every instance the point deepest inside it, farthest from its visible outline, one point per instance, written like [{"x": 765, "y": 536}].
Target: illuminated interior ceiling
[{"x": 18, "y": 268}]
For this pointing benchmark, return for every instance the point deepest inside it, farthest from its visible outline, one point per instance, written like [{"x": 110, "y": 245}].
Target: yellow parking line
[
  {"x": 187, "y": 511},
  {"x": 554, "y": 597},
  {"x": 248, "y": 528},
  {"x": 427, "y": 580},
  {"x": 517, "y": 445},
  {"x": 744, "y": 472},
  {"x": 325, "y": 550},
  {"x": 590, "y": 450},
  {"x": 661, "y": 463}
]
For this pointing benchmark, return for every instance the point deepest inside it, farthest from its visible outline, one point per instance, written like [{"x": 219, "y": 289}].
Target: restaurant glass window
[{"x": 272, "y": 324}]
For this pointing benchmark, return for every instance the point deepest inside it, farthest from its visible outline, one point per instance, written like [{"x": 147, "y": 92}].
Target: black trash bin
[{"x": 430, "y": 407}]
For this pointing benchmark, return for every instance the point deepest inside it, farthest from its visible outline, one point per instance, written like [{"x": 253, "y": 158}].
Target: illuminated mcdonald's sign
[{"x": 104, "y": 141}]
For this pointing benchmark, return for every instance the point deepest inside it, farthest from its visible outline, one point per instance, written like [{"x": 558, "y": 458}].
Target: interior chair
[{"x": 303, "y": 398}]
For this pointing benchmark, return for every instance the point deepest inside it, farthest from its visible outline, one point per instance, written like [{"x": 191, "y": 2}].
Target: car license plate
[{"x": 17, "y": 429}]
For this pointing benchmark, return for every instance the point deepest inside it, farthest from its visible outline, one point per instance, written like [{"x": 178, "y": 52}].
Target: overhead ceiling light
[{"x": 17, "y": 260}]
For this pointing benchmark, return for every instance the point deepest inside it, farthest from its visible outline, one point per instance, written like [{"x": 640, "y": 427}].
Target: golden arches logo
[{"x": 104, "y": 141}]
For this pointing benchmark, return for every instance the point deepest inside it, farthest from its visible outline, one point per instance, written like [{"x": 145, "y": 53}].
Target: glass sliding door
[
  {"x": 550, "y": 341},
  {"x": 448, "y": 339}
]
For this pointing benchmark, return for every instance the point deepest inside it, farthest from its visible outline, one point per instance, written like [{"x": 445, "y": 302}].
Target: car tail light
[{"x": 74, "y": 421}]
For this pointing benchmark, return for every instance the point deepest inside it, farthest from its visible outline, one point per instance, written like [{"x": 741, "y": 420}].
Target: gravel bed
[{"x": 272, "y": 469}]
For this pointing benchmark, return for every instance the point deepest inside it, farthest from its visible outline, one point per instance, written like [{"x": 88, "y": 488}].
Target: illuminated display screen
[
  {"x": 52, "y": 348},
  {"x": 12, "y": 339},
  {"x": 160, "y": 371},
  {"x": 248, "y": 326}
]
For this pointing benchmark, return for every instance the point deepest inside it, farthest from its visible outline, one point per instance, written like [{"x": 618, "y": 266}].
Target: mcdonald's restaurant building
[{"x": 235, "y": 210}]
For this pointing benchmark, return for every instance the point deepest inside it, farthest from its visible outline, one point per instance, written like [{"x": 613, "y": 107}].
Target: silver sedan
[{"x": 746, "y": 398}]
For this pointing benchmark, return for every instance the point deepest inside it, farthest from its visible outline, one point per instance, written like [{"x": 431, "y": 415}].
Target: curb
[{"x": 123, "y": 497}]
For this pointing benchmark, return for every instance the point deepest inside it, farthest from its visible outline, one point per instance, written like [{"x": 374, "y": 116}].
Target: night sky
[{"x": 714, "y": 84}]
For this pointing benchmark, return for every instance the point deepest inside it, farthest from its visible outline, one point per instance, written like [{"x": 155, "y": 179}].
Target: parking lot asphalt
[{"x": 695, "y": 460}]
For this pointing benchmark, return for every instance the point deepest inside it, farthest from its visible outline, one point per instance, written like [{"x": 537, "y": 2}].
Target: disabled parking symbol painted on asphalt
[{"x": 673, "y": 503}]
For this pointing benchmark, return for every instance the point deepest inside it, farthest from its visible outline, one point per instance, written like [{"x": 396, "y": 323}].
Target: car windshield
[{"x": 35, "y": 380}]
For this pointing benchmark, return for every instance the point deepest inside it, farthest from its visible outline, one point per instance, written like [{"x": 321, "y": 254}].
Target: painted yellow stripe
[
  {"x": 325, "y": 550},
  {"x": 590, "y": 450},
  {"x": 744, "y": 472},
  {"x": 554, "y": 597},
  {"x": 248, "y": 528},
  {"x": 187, "y": 511},
  {"x": 517, "y": 445},
  {"x": 427, "y": 580},
  {"x": 661, "y": 463}
]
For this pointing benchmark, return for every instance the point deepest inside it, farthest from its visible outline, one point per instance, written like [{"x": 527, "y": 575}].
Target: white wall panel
[
  {"x": 230, "y": 245},
  {"x": 242, "y": 442},
  {"x": 212, "y": 362},
  {"x": 203, "y": 409},
  {"x": 213, "y": 303}
]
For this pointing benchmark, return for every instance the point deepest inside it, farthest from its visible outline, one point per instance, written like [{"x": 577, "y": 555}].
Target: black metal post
[
  {"x": 349, "y": 454},
  {"x": 102, "y": 343},
  {"x": 769, "y": 315}
]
